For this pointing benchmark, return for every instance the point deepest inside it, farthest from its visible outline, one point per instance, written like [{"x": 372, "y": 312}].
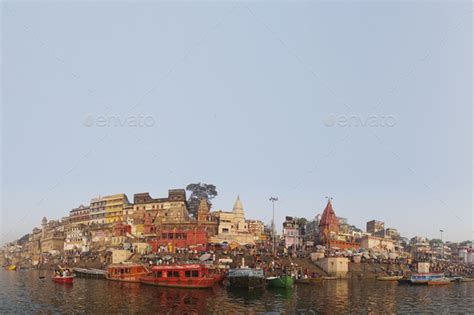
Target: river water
[{"x": 23, "y": 292}]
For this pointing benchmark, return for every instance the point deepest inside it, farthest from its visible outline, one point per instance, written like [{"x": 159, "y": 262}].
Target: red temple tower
[{"x": 329, "y": 225}]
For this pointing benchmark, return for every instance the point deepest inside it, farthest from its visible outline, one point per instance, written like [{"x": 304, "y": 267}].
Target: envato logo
[
  {"x": 132, "y": 120},
  {"x": 371, "y": 121}
]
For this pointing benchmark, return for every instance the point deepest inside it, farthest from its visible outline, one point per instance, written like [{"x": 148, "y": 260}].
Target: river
[{"x": 23, "y": 292}]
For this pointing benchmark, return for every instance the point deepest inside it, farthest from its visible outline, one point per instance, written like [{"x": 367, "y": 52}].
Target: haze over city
[{"x": 258, "y": 100}]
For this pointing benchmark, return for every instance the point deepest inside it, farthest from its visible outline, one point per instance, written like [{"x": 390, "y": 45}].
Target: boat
[
  {"x": 440, "y": 281},
  {"x": 423, "y": 278},
  {"x": 329, "y": 278},
  {"x": 308, "y": 280},
  {"x": 11, "y": 268},
  {"x": 280, "y": 282},
  {"x": 246, "y": 278},
  {"x": 218, "y": 274},
  {"x": 389, "y": 278},
  {"x": 90, "y": 273},
  {"x": 404, "y": 280},
  {"x": 126, "y": 272},
  {"x": 191, "y": 276},
  {"x": 62, "y": 279}
]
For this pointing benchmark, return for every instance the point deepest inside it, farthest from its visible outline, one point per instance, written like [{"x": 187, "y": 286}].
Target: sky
[{"x": 369, "y": 103}]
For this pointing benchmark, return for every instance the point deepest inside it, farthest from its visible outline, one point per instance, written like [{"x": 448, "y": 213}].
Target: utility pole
[
  {"x": 273, "y": 199},
  {"x": 442, "y": 244}
]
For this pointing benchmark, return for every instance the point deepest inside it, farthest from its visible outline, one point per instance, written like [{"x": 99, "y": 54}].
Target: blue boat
[{"x": 423, "y": 278}]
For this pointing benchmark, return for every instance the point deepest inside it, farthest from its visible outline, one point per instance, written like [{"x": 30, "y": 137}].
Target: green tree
[{"x": 200, "y": 191}]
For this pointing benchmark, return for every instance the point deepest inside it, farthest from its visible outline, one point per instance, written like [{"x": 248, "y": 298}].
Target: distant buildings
[
  {"x": 291, "y": 233},
  {"x": 374, "y": 226}
]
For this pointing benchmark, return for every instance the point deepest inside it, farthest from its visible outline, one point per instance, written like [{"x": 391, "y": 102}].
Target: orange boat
[
  {"x": 126, "y": 272},
  {"x": 192, "y": 276}
]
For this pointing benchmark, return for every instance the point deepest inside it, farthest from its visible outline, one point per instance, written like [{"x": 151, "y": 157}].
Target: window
[
  {"x": 187, "y": 273},
  {"x": 158, "y": 274},
  {"x": 176, "y": 274},
  {"x": 195, "y": 273},
  {"x": 163, "y": 236},
  {"x": 170, "y": 274}
]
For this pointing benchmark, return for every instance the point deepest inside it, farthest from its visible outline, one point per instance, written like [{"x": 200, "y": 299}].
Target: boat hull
[
  {"x": 202, "y": 283},
  {"x": 63, "y": 279},
  {"x": 281, "y": 282},
  {"x": 389, "y": 278},
  {"x": 11, "y": 268},
  {"x": 246, "y": 278},
  {"x": 308, "y": 280}
]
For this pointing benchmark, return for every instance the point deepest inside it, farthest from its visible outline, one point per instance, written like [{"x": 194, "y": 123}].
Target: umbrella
[{"x": 205, "y": 257}]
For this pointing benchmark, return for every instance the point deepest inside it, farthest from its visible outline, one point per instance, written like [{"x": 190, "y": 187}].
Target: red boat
[
  {"x": 127, "y": 272},
  {"x": 180, "y": 276},
  {"x": 62, "y": 279}
]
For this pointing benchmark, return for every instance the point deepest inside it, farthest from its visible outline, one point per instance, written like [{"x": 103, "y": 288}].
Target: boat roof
[{"x": 177, "y": 267}]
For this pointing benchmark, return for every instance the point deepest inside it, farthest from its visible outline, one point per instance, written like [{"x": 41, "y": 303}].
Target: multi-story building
[
  {"x": 170, "y": 210},
  {"x": 256, "y": 228},
  {"x": 79, "y": 215},
  {"x": 291, "y": 233},
  {"x": 114, "y": 207},
  {"x": 373, "y": 242},
  {"x": 374, "y": 226},
  {"x": 97, "y": 210}
]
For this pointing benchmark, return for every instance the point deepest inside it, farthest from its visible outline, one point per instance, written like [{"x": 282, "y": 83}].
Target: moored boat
[
  {"x": 126, "y": 272},
  {"x": 404, "y": 280},
  {"x": 90, "y": 273},
  {"x": 11, "y": 268},
  {"x": 281, "y": 282},
  {"x": 192, "y": 276},
  {"x": 308, "y": 280},
  {"x": 246, "y": 278},
  {"x": 389, "y": 278},
  {"x": 440, "y": 281},
  {"x": 423, "y": 278}
]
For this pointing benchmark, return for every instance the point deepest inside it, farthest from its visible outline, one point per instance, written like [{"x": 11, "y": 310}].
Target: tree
[{"x": 200, "y": 191}]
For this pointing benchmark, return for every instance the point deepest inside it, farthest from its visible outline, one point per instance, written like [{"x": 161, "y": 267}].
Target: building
[
  {"x": 329, "y": 225},
  {"x": 52, "y": 236},
  {"x": 205, "y": 220},
  {"x": 79, "y": 215},
  {"x": 291, "y": 233},
  {"x": 176, "y": 238},
  {"x": 374, "y": 226},
  {"x": 114, "y": 207},
  {"x": 373, "y": 242},
  {"x": 232, "y": 226},
  {"x": 388, "y": 233},
  {"x": 97, "y": 210},
  {"x": 257, "y": 228},
  {"x": 170, "y": 210}
]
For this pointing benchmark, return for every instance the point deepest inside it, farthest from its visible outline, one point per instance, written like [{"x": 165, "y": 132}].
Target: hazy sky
[{"x": 369, "y": 103}]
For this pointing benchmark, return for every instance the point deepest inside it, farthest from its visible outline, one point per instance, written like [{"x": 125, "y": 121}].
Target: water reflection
[{"x": 23, "y": 292}]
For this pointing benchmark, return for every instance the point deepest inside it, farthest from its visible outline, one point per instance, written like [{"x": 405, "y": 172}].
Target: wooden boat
[
  {"x": 329, "y": 278},
  {"x": 11, "y": 268},
  {"x": 280, "y": 282},
  {"x": 308, "y": 280},
  {"x": 90, "y": 273},
  {"x": 246, "y": 278},
  {"x": 389, "y": 278},
  {"x": 218, "y": 274},
  {"x": 441, "y": 281},
  {"x": 404, "y": 280},
  {"x": 423, "y": 278},
  {"x": 193, "y": 276},
  {"x": 62, "y": 279},
  {"x": 126, "y": 272}
]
